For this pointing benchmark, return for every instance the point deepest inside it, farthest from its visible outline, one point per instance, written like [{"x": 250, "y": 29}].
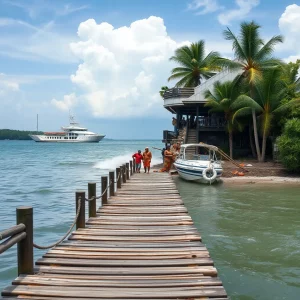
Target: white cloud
[
  {"x": 203, "y": 7},
  {"x": 123, "y": 68},
  {"x": 289, "y": 25},
  {"x": 244, "y": 7},
  {"x": 7, "y": 84},
  {"x": 66, "y": 104}
]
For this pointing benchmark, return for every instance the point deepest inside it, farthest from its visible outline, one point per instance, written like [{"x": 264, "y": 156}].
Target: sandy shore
[{"x": 261, "y": 180}]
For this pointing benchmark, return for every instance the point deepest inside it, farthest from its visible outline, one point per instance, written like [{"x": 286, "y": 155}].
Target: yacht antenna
[{"x": 37, "y": 122}]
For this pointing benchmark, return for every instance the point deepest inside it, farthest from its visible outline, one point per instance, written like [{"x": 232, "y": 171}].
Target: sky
[{"x": 105, "y": 61}]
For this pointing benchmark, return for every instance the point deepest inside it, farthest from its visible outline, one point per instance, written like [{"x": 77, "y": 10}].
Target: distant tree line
[{"x": 8, "y": 134}]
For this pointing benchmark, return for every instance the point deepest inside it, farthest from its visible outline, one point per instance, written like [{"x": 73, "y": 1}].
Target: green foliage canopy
[{"x": 289, "y": 145}]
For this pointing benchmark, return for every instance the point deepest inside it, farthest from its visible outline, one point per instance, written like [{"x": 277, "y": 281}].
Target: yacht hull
[{"x": 80, "y": 139}]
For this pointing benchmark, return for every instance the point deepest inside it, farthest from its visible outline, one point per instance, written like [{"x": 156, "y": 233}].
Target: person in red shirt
[{"x": 138, "y": 160}]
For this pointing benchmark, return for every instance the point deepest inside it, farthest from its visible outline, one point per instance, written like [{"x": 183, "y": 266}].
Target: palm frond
[
  {"x": 236, "y": 46},
  {"x": 266, "y": 51},
  {"x": 246, "y": 101},
  {"x": 242, "y": 112},
  {"x": 249, "y": 39}
]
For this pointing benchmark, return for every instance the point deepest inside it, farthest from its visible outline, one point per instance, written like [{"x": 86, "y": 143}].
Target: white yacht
[{"x": 70, "y": 134}]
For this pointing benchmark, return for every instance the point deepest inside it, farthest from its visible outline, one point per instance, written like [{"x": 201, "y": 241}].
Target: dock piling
[
  {"x": 80, "y": 199},
  {"x": 112, "y": 183},
  {"x": 131, "y": 172},
  {"x": 25, "y": 246},
  {"x": 127, "y": 171},
  {"x": 92, "y": 203},
  {"x": 118, "y": 174},
  {"x": 104, "y": 189},
  {"x": 124, "y": 173}
]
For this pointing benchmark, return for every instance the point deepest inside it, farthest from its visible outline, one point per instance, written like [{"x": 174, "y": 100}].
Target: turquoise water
[
  {"x": 253, "y": 235},
  {"x": 252, "y": 232}
]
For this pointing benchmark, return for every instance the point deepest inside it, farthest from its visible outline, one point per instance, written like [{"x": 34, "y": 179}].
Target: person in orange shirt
[{"x": 147, "y": 156}]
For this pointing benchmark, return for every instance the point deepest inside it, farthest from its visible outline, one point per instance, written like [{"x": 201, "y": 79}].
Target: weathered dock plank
[{"x": 142, "y": 244}]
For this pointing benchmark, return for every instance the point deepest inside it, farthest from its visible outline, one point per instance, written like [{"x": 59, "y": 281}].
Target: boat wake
[{"x": 116, "y": 161}]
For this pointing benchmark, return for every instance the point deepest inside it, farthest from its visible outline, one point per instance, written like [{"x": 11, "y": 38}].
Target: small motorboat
[{"x": 198, "y": 162}]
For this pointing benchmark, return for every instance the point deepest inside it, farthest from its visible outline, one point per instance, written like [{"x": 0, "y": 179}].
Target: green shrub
[{"x": 289, "y": 145}]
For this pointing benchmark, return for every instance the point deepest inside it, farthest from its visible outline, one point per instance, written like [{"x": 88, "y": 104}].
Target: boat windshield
[{"x": 198, "y": 153}]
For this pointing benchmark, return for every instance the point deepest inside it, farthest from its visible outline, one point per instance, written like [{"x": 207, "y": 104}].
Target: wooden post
[
  {"x": 118, "y": 174},
  {"x": 131, "y": 172},
  {"x": 81, "y": 218},
  {"x": 124, "y": 173},
  {"x": 92, "y": 203},
  {"x": 25, "y": 247},
  {"x": 112, "y": 183},
  {"x": 133, "y": 166},
  {"x": 104, "y": 188},
  {"x": 127, "y": 171}
]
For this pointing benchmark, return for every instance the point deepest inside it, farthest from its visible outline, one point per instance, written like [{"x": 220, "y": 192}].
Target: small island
[{"x": 9, "y": 134}]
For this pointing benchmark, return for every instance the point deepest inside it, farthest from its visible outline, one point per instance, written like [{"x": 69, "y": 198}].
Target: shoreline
[
  {"x": 261, "y": 180},
  {"x": 258, "y": 173}
]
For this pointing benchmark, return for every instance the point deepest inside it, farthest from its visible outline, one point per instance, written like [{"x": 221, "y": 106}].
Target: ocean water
[{"x": 252, "y": 232}]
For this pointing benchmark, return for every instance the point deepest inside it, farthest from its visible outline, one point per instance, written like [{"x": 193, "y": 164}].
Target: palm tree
[
  {"x": 267, "y": 99},
  {"x": 253, "y": 56},
  {"x": 291, "y": 80},
  {"x": 162, "y": 90},
  {"x": 194, "y": 65},
  {"x": 222, "y": 100}
]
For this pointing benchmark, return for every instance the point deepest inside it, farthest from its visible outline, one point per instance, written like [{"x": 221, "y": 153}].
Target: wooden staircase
[{"x": 191, "y": 139}]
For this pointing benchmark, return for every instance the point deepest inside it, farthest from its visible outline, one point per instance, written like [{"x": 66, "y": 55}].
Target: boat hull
[
  {"x": 193, "y": 171},
  {"x": 80, "y": 139}
]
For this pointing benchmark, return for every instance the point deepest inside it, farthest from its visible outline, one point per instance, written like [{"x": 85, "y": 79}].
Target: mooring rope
[
  {"x": 95, "y": 198},
  {"x": 118, "y": 178},
  {"x": 65, "y": 236},
  {"x": 76, "y": 218}
]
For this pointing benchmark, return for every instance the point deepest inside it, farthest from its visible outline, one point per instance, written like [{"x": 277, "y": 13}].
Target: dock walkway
[{"x": 141, "y": 245}]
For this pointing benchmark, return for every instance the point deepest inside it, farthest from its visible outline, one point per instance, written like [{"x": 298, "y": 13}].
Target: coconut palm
[
  {"x": 194, "y": 65},
  {"x": 291, "y": 79},
  {"x": 253, "y": 56},
  {"x": 266, "y": 99},
  {"x": 221, "y": 100},
  {"x": 162, "y": 90}
]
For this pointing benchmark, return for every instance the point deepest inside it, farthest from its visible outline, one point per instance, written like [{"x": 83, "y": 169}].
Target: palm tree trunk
[
  {"x": 251, "y": 140},
  {"x": 264, "y": 145},
  {"x": 230, "y": 144},
  {"x": 256, "y": 135}
]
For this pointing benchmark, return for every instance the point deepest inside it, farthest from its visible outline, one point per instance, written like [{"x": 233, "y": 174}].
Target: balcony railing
[
  {"x": 211, "y": 122},
  {"x": 208, "y": 122},
  {"x": 178, "y": 92}
]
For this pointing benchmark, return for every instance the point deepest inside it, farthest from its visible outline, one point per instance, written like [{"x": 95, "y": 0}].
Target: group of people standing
[
  {"x": 145, "y": 157},
  {"x": 169, "y": 154}
]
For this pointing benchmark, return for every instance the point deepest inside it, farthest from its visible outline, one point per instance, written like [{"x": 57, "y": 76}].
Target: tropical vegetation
[
  {"x": 264, "y": 97},
  {"x": 222, "y": 100},
  {"x": 8, "y": 134},
  {"x": 194, "y": 64},
  {"x": 289, "y": 145}
]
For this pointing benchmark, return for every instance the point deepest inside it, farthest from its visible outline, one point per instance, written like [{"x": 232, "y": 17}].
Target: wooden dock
[{"x": 141, "y": 245}]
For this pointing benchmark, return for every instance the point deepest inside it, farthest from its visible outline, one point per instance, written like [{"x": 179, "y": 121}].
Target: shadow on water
[{"x": 252, "y": 233}]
